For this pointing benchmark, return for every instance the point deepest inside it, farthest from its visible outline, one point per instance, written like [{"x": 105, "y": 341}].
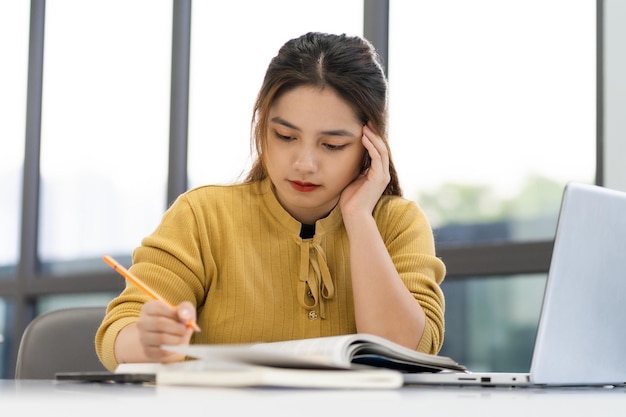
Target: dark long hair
[{"x": 348, "y": 65}]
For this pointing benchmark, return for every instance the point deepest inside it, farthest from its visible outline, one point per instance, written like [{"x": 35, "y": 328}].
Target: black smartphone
[{"x": 105, "y": 377}]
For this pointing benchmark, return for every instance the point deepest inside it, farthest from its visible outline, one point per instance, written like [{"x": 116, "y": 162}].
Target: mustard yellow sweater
[{"x": 237, "y": 255}]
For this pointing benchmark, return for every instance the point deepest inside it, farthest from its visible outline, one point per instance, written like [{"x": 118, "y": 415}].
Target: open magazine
[
  {"x": 347, "y": 361},
  {"x": 333, "y": 352}
]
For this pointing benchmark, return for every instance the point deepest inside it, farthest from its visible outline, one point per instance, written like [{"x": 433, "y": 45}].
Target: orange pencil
[{"x": 142, "y": 286}]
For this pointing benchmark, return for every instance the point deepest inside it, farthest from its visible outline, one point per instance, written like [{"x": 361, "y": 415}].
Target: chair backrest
[{"x": 60, "y": 341}]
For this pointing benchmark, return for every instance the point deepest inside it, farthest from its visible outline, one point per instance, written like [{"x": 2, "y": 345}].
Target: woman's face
[{"x": 313, "y": 150}]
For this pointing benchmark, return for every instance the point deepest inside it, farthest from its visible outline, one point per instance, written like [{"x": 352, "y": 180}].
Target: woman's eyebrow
[
  {"x": 285, "y": 123},
  {"x": 334, "y": 132}
]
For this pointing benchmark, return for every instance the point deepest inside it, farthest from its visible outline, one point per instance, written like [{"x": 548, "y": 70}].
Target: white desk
[{"x": 50, "y": 398}]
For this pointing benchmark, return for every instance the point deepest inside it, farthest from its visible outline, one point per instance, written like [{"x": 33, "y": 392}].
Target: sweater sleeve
[
  {"x": 410, "y": 242},
  {"x": 169, "y": 261}
]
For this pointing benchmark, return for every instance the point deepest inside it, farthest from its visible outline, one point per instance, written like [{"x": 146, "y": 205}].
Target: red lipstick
[{"x": 304, "y": 187}]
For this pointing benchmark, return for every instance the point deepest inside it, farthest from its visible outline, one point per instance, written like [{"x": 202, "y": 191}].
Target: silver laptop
[{"x": 581, "y": 335}]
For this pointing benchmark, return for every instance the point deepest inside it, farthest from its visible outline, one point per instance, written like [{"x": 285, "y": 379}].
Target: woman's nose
[{"x": 305, "y": 160}]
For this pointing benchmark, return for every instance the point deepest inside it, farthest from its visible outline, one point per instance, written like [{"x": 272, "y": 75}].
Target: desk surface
[{"x": 80, "y": 399}]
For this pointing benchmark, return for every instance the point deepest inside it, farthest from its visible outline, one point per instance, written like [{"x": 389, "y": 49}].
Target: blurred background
[{"x": 110, "y": 109}]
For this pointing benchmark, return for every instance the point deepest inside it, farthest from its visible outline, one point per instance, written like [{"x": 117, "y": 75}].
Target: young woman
[{"x": 317, "y": 241}]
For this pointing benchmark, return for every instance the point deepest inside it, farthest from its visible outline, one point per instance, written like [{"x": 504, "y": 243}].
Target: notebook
[{"x": 581, "y": 336}]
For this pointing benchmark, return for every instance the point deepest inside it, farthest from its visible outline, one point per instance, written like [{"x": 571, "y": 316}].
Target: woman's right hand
[{"x": 157, "y": 325}]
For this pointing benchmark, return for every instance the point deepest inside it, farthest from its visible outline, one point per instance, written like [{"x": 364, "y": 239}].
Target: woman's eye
[
  {"x": 283, "y": 137},
  {"x": 332, "y": 147}
]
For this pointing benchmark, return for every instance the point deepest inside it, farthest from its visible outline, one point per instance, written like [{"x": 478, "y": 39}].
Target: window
[
  {"x": 105, "y": 125},
  {"x": 493, "y": 110},
  {"x": 14, "y": 26}
]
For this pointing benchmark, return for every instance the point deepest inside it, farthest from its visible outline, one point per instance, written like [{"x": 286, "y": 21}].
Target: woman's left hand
[{"x": 362, "y": 194}]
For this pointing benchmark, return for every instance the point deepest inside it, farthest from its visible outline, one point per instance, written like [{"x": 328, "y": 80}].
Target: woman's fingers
[
  {"x": 377, "y": 150},
  {"x": 158, "y": 325}
]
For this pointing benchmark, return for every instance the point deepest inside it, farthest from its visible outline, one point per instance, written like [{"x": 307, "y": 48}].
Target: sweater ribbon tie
[{"x": 316, "y": 284}]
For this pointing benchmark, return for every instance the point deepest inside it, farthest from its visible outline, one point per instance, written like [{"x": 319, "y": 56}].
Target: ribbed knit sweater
[{"x": 237, "y": 254}]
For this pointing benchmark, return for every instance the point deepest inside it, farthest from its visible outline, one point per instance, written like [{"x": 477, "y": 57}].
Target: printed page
[{"x": 305, "y": 353}]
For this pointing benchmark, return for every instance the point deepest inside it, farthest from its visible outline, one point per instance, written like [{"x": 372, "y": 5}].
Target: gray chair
[{"x": 59, "y": 341}]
